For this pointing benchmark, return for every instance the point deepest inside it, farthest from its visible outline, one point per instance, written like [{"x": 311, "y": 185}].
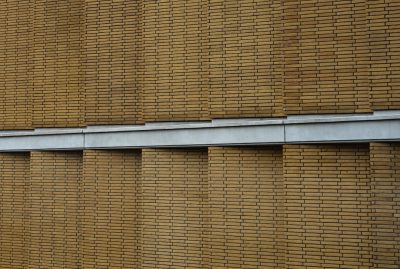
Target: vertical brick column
[
  {"x": 109, "y": 209},
  {"x": 327, "y": 206},
  {"x": 384, "y": 40},
  {"x": 111, "y": 49},
  {"x": 57, "y": 70},
  {"x": 174, "y": 191},
  {"x": 15, "y": 58},
  {"x": 244, "y": 59},
  {"x": 325, "y": 54},
  {"x": 245, "y": 199},
  {"x": 385, "y": 173},
  {"x": 174, "y": 54},
  {"x": 14, "y": 210},
  {"x": 54, "y": 208}
]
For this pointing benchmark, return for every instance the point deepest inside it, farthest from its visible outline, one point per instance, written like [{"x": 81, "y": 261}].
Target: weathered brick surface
[
  {"x": 310, "y": 206},
  {"x": 14, "y": 210},
  {"x": 325, "y": 52},
  {"x": 88, "y": 62},
  {"x": 384, "y": 42},
  {"x": 245, "y": 61},
  {"x": 53, "y": 205},
  {"x": 245, "y": 199},
  {"x": 109, "y": 205},
  {"x": 174, "y": 78},
  {"x": 15, "y": 59},
  {"x": 57, "y": 64},
  {"x": 327, "y": 207},
  {"x": 174, "y": 207},
  {"x": 385, "y": 175},
  {"x": 111, "y": 53}
]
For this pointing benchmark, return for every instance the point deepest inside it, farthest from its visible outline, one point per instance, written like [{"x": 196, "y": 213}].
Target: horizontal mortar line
[{"x": 305, "y": 129}]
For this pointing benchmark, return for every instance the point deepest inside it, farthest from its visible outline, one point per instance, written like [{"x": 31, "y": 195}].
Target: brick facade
[
  {"x": 78, "y": 63},
  {"x": 109, "y": 209},
  {"x": 300, "y": 206},
  {"x": 327, "y": 200},
  {"x": 246, "y": 210},
  {"x": 174, "y": 207},
  {"x": 57, "y": 64},
  {"x": 384, "y": 40},
  {"x": 245, "y": 59},
  {"x": 16, "y": 58},
  {"x": 110, "y": 51},
  {"x": 81, "y": 63},
  {"x": 53, "y": 204},
  {"x": 14, "y": 210},
  {"x": 385, "y": 176}
]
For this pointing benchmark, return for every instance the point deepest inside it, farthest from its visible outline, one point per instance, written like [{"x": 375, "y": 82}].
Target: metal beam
[{"x": 355, "y": 128}]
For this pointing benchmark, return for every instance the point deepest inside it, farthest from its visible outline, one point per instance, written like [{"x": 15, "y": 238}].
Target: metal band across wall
[{"x": 380, "y": 126}]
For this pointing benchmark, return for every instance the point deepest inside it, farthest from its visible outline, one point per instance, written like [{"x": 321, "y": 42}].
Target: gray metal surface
[{"x": 380, "y": 126}]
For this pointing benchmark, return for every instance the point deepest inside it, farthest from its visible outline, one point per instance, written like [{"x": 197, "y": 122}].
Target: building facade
[{"x": 199, "y": 134}]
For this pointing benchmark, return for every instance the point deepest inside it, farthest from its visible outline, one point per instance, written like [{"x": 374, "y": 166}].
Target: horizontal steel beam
[{"x": 356, "y": 128}]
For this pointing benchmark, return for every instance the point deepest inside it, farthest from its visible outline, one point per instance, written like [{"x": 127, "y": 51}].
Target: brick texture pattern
[
  {"x": 384, "y": 42},
  {"x": 385, "y": 175},
  {"x": 90, "y": 62},
  {"x": 174, "y": 74},
  {"x": 244, "y": 58},
  {"x": 327, "y": 200},
  {"x": 57, "y": 64},
  {"x": 325, "y": 57},
  {"x": 111, "y": 49},
  {"x": 16, "y": 60},
  {"x": 303, "y": 206},
  {"x": 109, "y": 205},
  {"x": 245, "y": 198},
  {"x": 174, "y": 206},
  {"x": 54, "y": 209},
  {"x": 14, "y": 210}
]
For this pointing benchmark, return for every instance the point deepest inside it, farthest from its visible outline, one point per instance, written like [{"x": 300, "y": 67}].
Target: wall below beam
[{"x": 380, "y": 126}]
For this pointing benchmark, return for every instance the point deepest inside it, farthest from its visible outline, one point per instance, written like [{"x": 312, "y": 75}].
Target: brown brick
[
  {"x": 54, "y": 209},
  {"x": 245, "y": 199},
  {"x": 327, "y": 207},
  {"x": 245, "y": 63},
  {"x": 14, "y": 210},
  {"x": 384, "y": 42},
  {"x": 111, "y": 48},
  {"x": 174, "y": 76},
  {"x": 385, "y": 174},
  {"x": 16, "y": 60},
  {"x": 174, "y": 207},
  {"x": 325, "y": 50},
  {"x": 109, "y": 202},
  {"x": 57, "y": 63}
]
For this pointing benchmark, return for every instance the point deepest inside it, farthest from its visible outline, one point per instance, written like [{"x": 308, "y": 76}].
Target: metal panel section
[{"x": 382, "y": 126}]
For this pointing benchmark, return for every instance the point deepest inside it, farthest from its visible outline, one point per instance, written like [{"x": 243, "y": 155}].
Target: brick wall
[
  {"x": 245, "y": 198},
  {"x": 244, "y": 59},
  {"x": 327, "y": 193},
  {"x": 174, "y": 75},
  {"x": 326, "y": 53},
  {"x": 14, "y": 210},
  {"x": 111, "y": 51},
  {"x": 384, "y": 42},
  {"x": 54, "y": 210},
  {"x": 109, "y": 206},
  {"x": 174, "y": 206},
  {"x": 385, "y": 175},
  {"x": 88, "y": 62},
  {"x": 57, "y": 64},
  {"x": 308, "y": 206},
  {"x": 15, "y": 58}
]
